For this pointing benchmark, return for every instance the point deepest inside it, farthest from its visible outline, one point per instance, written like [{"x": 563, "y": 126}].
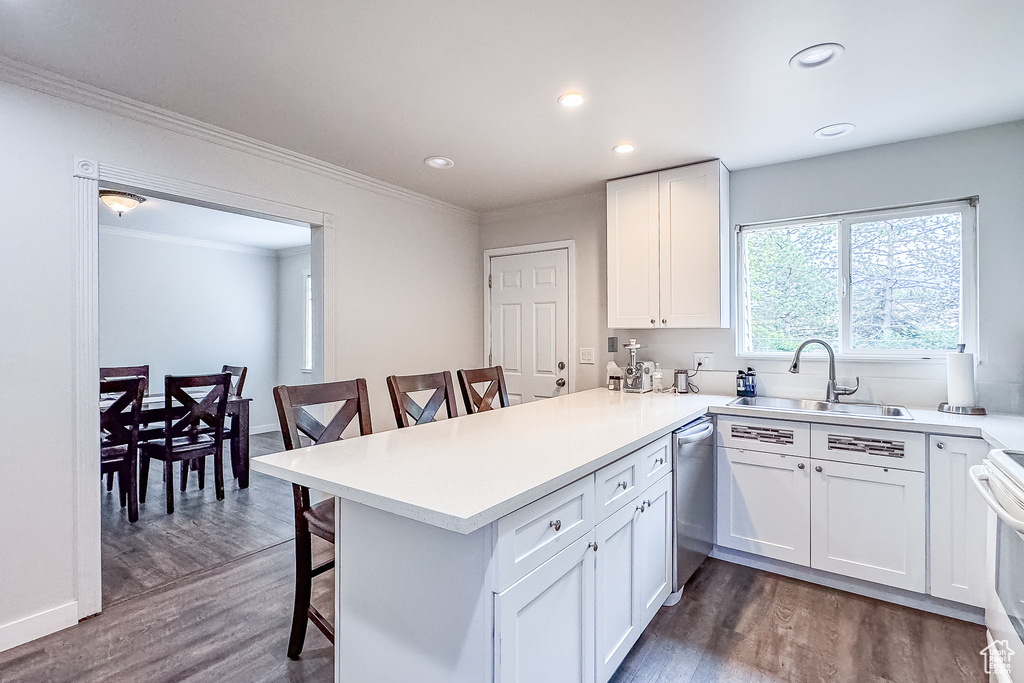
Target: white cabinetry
[
  {"x": 617, "y": 590},
  {"x": 764, "y": 504},
  {"x": 545, "y": 622},
  {"x": 869, "y": 523},
  {"x": 654, "y": 557},
  {"x": 668, "y": 248},
  {"x": 956, "y": 520}
]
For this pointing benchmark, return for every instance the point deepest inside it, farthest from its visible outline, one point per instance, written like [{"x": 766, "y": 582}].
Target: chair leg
[
  {"x": 143, "y": 477},
  {"x": 122, "y": 486},
  {"x": 169, "y": 484},
  {"x": 303, "y": 592},
  {"x": 110, "y": 481},
  {"x": 218, "y": 472},
  {"x": 184, "y": 474},
  {"x": 200, "y": 465},
  {"x": 133, "y": 490}
]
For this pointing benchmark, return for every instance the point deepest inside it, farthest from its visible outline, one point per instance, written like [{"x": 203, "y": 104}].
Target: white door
[
  {"x": 957, "y": 516},
  {"x": 869, "y": 523},
  {"x": 633, "y": 252},
  {"x": 617, "y": 592},
  {"x": 530, "y": 323},
  {"x": 654, "y": 548},
  {"x": 545, "y": 621},
  {"x": 764, "y": 504}
]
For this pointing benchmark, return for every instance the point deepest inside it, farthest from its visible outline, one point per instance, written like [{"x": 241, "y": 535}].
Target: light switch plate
[
  {"x": 613, "y": 344},
  {"x": 705, "y": 359},
  {"x": 586, "y": 356}
]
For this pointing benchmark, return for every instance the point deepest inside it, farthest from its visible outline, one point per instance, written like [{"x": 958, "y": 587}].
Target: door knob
[
  {"x": 560, "y": 382},
  {"x": 561, "y": 365}
]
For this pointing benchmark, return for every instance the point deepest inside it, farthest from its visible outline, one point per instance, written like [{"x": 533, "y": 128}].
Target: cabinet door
[
  {"x": 957, "y": 520},
  {"x": 617, "y": 604},
  {"x": 763, "y": 504},
  {"x": 868, "y": 522},
  {"x": 633, "y": 252},
  {"x": 654, "y": 548},
  {"x": 694, "y": 238},
  {"x": 545, "y": 621}
]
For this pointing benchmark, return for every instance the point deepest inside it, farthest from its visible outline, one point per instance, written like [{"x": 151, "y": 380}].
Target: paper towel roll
[{"x": 960, "y": 380}]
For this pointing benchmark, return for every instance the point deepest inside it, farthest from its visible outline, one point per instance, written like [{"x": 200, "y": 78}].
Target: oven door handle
[{"x": 980, "y": 477}]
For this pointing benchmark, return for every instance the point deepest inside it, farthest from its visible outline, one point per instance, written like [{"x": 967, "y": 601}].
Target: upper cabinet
[{"x": 668, "y": 248}]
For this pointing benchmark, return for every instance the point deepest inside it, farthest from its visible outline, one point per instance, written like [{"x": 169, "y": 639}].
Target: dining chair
[
  {"x": 405, "y": 407},
  {"x": 119, "y": 437},
  {"x": 495, "y": 389},
  {"x": 193, "y": 429},
  {"x": 117, "y": 372},
  {"x": 315, "y": 519},
  {"x": 237, "y": 377}
]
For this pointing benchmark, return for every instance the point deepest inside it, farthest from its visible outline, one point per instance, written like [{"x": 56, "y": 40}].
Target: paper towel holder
[{"x": 961, "y": 410}]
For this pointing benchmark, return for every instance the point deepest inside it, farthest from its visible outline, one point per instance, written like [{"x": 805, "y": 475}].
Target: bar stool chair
[
  {"x": 316, "y": 519},
  {"x": 405, "y": 407},
  {"x": 495, "y": 379}
]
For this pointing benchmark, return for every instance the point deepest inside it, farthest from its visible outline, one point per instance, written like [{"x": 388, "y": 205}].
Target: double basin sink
[{"x": 804, "y": 406}]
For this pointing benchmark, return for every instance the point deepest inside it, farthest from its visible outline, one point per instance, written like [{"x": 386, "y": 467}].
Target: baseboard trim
[
  {"x": 925, "y": 603},
  {"x": 263, "y": 429},
  {"x": 35, "y": 626}
]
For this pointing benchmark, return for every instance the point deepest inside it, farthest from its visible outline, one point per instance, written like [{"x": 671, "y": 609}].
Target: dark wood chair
[
  {"x": 401, "y": 386},
  {"x": 193, "y": 429},
  {"x": 318, "y": 519},
  {"x": 495, "y": 379},
  {"x": 119, "y": 437},
  {"x": 237, "y": 377},
  {"x": 117, "y": 372}
]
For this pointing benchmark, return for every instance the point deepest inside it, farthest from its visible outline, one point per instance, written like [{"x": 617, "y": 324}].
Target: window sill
[{"x": 847, "y": 358}]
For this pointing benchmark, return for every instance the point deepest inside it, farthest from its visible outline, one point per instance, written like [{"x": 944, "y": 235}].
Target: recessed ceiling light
[
  {"x": 817, "y": 55},
  {"x": 439, "y": 162},
  {"x": 571, "y": 99},
  {"x": 624, "y": 148},
  {"x": 836, "y": 130}
]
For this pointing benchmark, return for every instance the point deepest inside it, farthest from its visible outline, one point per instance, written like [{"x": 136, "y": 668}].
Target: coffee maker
[{"x": 636, "y": 378}]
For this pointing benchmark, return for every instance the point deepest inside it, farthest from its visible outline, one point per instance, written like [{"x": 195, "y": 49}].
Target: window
[
  {"x": 888, "y": 283},
  {"x": 308, "y": 345}
]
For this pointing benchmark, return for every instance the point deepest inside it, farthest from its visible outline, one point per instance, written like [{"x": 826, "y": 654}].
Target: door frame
[
  {"x": 87, "y": 177},
  {"x": 570, "y": 247}
]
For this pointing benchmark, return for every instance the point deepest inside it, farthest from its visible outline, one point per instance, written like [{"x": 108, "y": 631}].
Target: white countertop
[{"x": 465, "y": 473}]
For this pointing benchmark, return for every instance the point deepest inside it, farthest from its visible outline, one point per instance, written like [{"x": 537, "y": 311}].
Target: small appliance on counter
[
  {"x": 683, "y": 383},
  {"x": 614, "y": 376},
  {"x": 960, "y": 391},
  {"x": 746, "y": 383},
  {"x": 636, "y": 378}
]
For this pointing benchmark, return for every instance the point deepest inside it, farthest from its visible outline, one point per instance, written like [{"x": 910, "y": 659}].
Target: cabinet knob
[
  {"x": 664, "y": 321},
  {"x": 653, "y": 321},
  {"x": 623, "y": 484},
  {"x": 818, "y": 468},
  {"x": 800, "y": 466},
  {"x": 641, "y": 507},
  {"x": 556, "y": 525},
  {"x": 940, "y": 445},
  {"x": 593, "y": 545},
  {"x": 660, "y": 461}
]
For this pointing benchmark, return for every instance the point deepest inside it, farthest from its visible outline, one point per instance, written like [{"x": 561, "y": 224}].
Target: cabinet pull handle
[
  {"x": 818, "y": 468},
  {"x": 556, "y": 525},
  {"x": 800, "y": 466},
  {"x": 593, "y": 545},
  {"x": 940, "y": 445}
]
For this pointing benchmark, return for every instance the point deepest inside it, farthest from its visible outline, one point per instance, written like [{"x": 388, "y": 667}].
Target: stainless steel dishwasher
[{"x": 693, "y": 456}]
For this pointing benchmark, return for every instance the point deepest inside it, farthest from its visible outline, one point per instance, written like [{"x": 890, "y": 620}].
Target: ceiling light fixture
[
  {"x": 439, "y": 162},
  {"x": 835, "y": 130},
  {"x": 120, "y": 201},
  {"x": 571, "y": 99},
  {"x": 817, "y": 55},
  {"x": 624, "y": 148}
]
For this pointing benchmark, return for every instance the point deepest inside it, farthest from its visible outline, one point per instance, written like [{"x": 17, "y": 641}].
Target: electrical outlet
[
  {"x": 705, "y": 359},
  {"x": 613, "y": 344},
  {"x": 586, "y": 356}
]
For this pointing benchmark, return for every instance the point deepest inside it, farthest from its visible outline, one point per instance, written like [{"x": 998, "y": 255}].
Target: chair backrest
[
  {"x": 476, "y": 402},
  {"x": 296, "y": 420},
  {"x": 237, "y": 377},
  {"x": 119, "y": 419},
  {"x": 405, "y": 407},
  {"x": 186, "y": 415},
  {"x": 116, "y": 372}
]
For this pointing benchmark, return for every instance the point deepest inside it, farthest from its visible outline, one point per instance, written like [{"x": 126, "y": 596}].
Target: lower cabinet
[
  {"x": 868, "y": 522},
  {"x": 764, "y": 504},
  {"x": 544, "y": 623},
  {"x": 654, "y": 550},
  {"x": 617, "y": 588}
]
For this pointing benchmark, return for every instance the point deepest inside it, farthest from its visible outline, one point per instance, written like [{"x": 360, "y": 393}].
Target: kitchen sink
[{"x": 805, "y": 406}]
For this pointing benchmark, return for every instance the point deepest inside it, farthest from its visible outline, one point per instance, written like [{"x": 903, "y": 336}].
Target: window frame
[
  {"x": 307, "y": 330},
  {"x": 969, "y": 324}
]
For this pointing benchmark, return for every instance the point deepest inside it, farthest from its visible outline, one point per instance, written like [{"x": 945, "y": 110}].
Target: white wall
[
  {"x": 394, "y": 252},
  {"x": 988, "y": 162},
  {"x": 292, "y": 267},
  {"x": 187, "y": 308}
]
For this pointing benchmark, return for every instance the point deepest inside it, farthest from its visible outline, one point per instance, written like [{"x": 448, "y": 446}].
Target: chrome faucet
[{"x": 833, "y": 391}]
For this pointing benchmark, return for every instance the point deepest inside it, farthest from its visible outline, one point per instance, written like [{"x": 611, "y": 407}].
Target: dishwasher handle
[
  {"x": 980, "y": 477},
  {"x": 698, "y": 433}
]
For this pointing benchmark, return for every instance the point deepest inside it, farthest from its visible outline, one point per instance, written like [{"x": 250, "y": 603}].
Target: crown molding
[
  {"x": 547, "y": 206},
  {"x": 188, "y": 241},
  {"x": 294, "y": 251},
  {"x": 49, "y": 83}
]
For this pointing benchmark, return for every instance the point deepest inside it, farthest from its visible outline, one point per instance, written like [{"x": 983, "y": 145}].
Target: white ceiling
[
  {"x": 376, "y": 87},
  {"x": 195, "y": 222}
]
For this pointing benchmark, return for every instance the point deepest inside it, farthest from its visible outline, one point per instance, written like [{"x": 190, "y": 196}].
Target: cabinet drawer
[
  {"x": 881, "y": 447},
  {"x": 766, "y": 436},
  {"x": 655, "y": 461},
  {"x": 617, "y": 483},
  {"x": 534, "y": 534}
]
